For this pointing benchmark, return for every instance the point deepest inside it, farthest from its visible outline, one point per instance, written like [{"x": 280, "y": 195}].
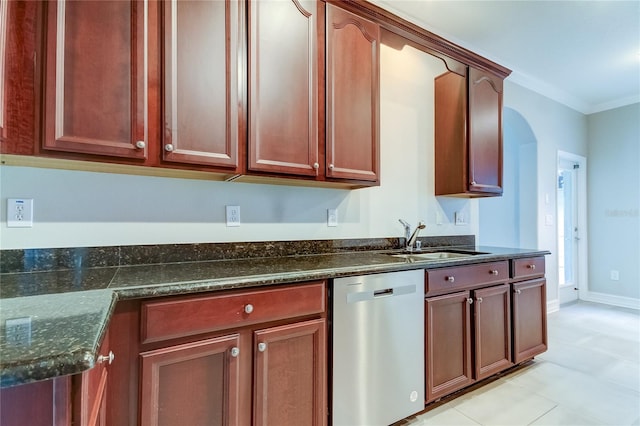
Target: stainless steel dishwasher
[{"x": 378, "y": 348}]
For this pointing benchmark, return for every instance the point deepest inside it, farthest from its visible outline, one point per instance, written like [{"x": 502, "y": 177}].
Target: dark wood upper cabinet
[
  {"x": 95, "y": 92},
  {"x": 4, "y": 13},
  {"x": 283, "y": 86},
  {"x": 203, "y": 51},
  {"x": 468, "y": 134},
  {"x": 352, "y": 96}
]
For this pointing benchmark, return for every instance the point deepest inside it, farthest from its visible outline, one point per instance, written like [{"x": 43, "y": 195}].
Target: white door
[{"x": 571, "y": 205}]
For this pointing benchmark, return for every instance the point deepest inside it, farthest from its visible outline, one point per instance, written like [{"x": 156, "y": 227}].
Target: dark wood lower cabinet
[
  {"x": 468, "y": 338},
  {"x": 191, "y": 384},
  {"x": 290, "y": 374},
  {"x": 492, "y": 337},
  {"x": 448, "y": 344},
  {"x": 529, "y": 319}
]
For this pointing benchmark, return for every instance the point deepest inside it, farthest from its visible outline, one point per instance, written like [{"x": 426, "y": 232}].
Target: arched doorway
[{"x": 511, "y": 220}]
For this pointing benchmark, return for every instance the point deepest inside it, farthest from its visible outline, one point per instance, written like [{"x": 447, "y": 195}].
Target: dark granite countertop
[{"x": 69, "y": 310}]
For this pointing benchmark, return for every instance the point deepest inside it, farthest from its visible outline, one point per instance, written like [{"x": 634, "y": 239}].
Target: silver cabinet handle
[
  {"x": 316, "y": 166},
  {"x": 470, "y": 300},
  {"x": 479, "y": 299},
  {"x": 168, "y": 147},
  {"x": 450, "y": 279},
  {"x": 331, "y": 166},
  {"x": 262, "y": 347},
  {"x": 473, "y": 183},
  {"x": 106, "y": 358},
  {"x": 493, "y": 272},
  {"x": 531, "y": 266},
  {"x": 248, "y": 308},
  {"x": 141, "y": 144},
  {"x": 517, "y": 291},
  {"x": 235, "y": 352}
]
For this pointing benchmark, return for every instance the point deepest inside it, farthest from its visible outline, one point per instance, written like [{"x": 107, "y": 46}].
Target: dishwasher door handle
[
  {"x": 363, "y": 296},
  {"x": 385, "y": 292}
]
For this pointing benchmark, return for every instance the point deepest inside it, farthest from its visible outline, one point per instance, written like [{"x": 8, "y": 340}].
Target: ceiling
[{"x": 583, "y": 54}]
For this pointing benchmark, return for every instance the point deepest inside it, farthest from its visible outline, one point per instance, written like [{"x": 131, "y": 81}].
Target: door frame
[{"x": 581, "y": 280}]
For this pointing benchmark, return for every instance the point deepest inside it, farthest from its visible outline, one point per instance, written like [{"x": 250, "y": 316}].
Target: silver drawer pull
[
  {"x": 531, "y": 266},
  {"x": 248, "y": 308},
  {"x": 262, "y": 347},
  {"x": 517, "y": 291},
  {"x": 235, "y": 352},
  {"x": 450, "y": 279},
  {"x": 106, "y": 358},
  {"x": 479, "y": 299},
  {"x": 141, "y": 144},
  {"x": 493, "y": 272},
  {"x": 470, "y": 300}
]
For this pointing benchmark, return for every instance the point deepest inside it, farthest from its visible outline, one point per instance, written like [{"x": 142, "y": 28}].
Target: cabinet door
[
  {"x": 290, "y": 374},
  {"x": 448, "y": 344},
  {"x": 485, "y": 132},
  {"x": 4, "y": 13},
  {"x": 492, "y": 323},
  {"x": 191, "y": 384},
  {"x": 203, "y": 106},
  {"x": 451, "y": 164},
  {"x": 95, "y": 78},
  {"x": 283, "y": 86},
  {"x": 529, "y": 319},
  {"x": 352, "y": 138}
]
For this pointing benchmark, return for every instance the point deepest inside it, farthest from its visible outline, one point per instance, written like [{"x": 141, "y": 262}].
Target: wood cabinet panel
[
  {"x": 20, "y": 78},
  {"x": 204, "y": 50},
  {"x": 448, "y": 365},
  {"x": 44, "y": 403},
  {"x": 492, "y": 323},
  {"x": 352, "y": 96},
  {"x": 95, "y": 78},
  {"x": 179, "y": 317},
  {"x": 447, "y": 280},
  {"x": 283, "y": 86},
  {"x": 191, "y": 384},
  {"x": 529, "y": 319},
  {"x": 290, "y": 374}
]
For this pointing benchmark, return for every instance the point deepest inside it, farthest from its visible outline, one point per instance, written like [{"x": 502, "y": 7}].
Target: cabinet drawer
[
  {"x": 179, "y": 317},
  {"x": 527, "y": 267},
  {"x": 446, "y": 280}
]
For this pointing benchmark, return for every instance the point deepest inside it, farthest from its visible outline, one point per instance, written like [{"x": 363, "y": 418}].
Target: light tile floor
[{"x": 589, "y": 376}]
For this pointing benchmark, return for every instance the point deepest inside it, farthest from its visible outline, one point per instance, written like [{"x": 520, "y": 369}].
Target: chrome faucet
[{"x": 411, "y": 238}]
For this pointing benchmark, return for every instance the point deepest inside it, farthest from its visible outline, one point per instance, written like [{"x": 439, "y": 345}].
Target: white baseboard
[
  {"x": 553, "y": 306},
  {"x": 610, "y": 299}
]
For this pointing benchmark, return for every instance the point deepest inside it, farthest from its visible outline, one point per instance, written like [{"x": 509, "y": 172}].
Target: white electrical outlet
[
  {"x": 332, "y": 217},
  {"x": 20, "y": 212},
  {"x": 233, "y": 215},
  {"x": 459, "y": 219},
  {"x": 18, "y": 331},
  {"x": 615, "y": 275}
]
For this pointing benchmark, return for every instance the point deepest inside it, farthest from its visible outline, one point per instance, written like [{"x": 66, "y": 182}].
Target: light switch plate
[
  {"x": 332, "y": 217},
  {"x": 20, "y": 212}
]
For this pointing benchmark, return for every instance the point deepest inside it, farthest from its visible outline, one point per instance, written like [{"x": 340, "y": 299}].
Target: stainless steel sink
[{"x": 436, "y": 255}]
